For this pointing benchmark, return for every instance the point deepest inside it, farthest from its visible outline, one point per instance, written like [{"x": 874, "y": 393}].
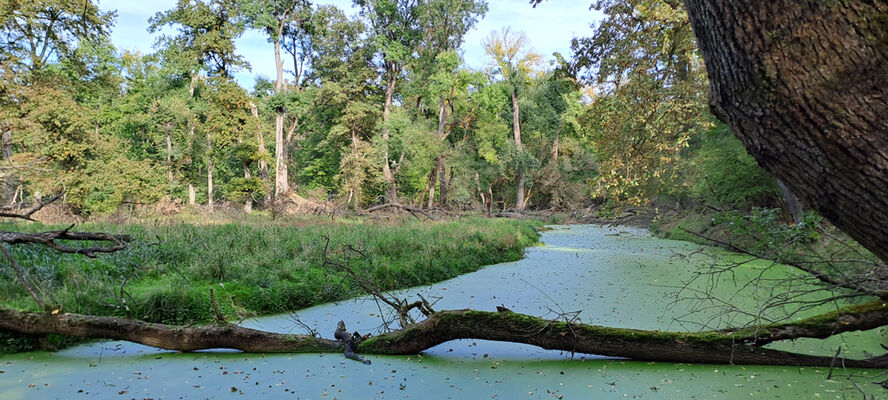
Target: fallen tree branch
[
  {"x": 49, "y": 239},
  {"x": 412, "y": 210},
  {"x": 23, "y": 280},
  {"x": 713, "y": 347}
]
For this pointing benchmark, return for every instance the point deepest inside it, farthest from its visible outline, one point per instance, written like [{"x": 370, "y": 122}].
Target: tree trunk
[
  {"x": 6, "y": 144},
  {"x": 392, "y": 191},
  {"x": 281, "y": 174},
  {"x": 210, "y": 184},
  {"x": 442, "y": 181},
  {"x": 433, "y": 178},
  {"x": 804, "y": 85},
  {"x": 516, "y": 130},
  {"x": 169, "y": 160},
  {"x": 717, "y": 347},
  {"x": 260, "y": 139},
  {"x": 192, "y": 195},
  {"x": 281, "y": 180},
  {"x": 248, "y": 202},
  {"x": 792, "y": 202}
]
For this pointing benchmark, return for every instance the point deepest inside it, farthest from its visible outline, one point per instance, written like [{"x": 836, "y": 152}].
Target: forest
[
  {"x": 367, "y": 109},
  {"x": 153, "y": 198}
]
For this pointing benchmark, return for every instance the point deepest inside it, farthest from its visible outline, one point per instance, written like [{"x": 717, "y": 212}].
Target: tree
[
  {"x": 447, "y": 22},
  {"x": 204, "y": 44},
  {"x": 514, "y": 60},
  {"x": 803, "y": 85},
  {"x": 397, "y": 31},
  {"x": 36, "y": 32},
  {"x": 282, "y": 21},
  {"x": 649, "y": 103}
]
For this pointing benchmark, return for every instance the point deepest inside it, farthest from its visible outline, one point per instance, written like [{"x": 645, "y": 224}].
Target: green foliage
[
  {"x": 728, "y": 176},
  {"x": 764, "y": 229},
  {"x": 241, "y": 188}
]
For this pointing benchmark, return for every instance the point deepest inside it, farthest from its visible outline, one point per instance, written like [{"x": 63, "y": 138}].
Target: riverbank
[{"x": 255, "y": 267}]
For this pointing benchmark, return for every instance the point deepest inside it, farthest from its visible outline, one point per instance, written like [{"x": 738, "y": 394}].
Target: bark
[
  {"x": 792, "y": 202},
  {"x": 715, "y": 347},
  {"x": 804, "y": 85},
  {"x": 443, "y": 182},
  {"x": 433, "y": 178},
  {"x": 169, "y": 158},
  {"x": 210, "y": 167},
  {"x": 192, "y": 195},
  {"x": 281, "y": 180},
  {"x": 519, "y": 174},
  {"x": 6, "y": 144}
]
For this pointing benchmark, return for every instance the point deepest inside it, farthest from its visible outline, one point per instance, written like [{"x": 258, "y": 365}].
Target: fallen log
[
  {"x": 736, "y": 346},
  {"x": 412, "y": 210}
]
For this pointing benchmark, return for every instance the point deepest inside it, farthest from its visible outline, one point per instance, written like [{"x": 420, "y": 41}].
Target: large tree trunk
[
  {"x": 719, "y": 347},
  {"x": 804, "y": 85},
  {"x": 516, "y": 130}
]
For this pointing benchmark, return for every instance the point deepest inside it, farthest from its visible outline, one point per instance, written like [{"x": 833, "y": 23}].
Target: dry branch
[
  {"x": 825, "y": 278},
  {"x": 50, "y": 238},
  {"x": 412, "y": 210},
  {"x": 27, "y": 215}
]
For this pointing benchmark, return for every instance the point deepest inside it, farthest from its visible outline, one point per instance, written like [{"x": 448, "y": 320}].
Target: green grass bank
[{"x": 255, "y": 266}]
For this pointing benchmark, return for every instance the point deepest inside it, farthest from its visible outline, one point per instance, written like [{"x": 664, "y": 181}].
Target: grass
[{"x": 255, "y": 266}]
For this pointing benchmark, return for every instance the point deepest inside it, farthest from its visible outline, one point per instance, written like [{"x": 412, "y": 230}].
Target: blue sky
[{"x": 550, "y": 28}]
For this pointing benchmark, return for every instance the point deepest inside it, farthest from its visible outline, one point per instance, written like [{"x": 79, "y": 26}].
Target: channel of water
[{"x": 615, "y": 276}]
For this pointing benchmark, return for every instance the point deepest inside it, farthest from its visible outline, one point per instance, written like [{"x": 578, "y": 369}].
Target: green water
[{"x": 617, "y": 277}]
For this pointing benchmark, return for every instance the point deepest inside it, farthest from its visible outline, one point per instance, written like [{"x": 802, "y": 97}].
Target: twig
[
  {"x": 832, "y": 363},
  {"x": 20, "y": 273},
  {"x": 219, "y": 317},
  {"x": 816, "y": 274}
]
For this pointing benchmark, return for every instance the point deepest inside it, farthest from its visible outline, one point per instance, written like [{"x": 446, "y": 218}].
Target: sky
[{"x": 550, "y": 27}]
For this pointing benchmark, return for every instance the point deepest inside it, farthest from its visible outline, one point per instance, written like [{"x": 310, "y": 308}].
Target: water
[{"x": 612, "y": 276}]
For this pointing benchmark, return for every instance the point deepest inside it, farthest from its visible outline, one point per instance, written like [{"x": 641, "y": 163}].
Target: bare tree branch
[
  {"x": 50, "y": 238},
  {"x": 28, "y": 214}
]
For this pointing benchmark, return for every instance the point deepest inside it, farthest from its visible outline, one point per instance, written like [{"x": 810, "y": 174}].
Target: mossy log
[{"x": 738, "y": 346}]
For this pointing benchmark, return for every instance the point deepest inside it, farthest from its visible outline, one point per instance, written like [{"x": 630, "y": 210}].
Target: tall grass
[{"x": 255, "y": 266}]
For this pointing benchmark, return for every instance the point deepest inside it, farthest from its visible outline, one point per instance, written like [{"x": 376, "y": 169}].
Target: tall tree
[
  {"x": 207, "y": 30},
  {"x": 284, "y": 23},
  {"x": 446, "y": 22},
  {"x": 34, "y": 33},
  {"x": 397, "y": 31},
  {"x": 514, "y": 61},
  {"x": 803, "y": 85}
]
